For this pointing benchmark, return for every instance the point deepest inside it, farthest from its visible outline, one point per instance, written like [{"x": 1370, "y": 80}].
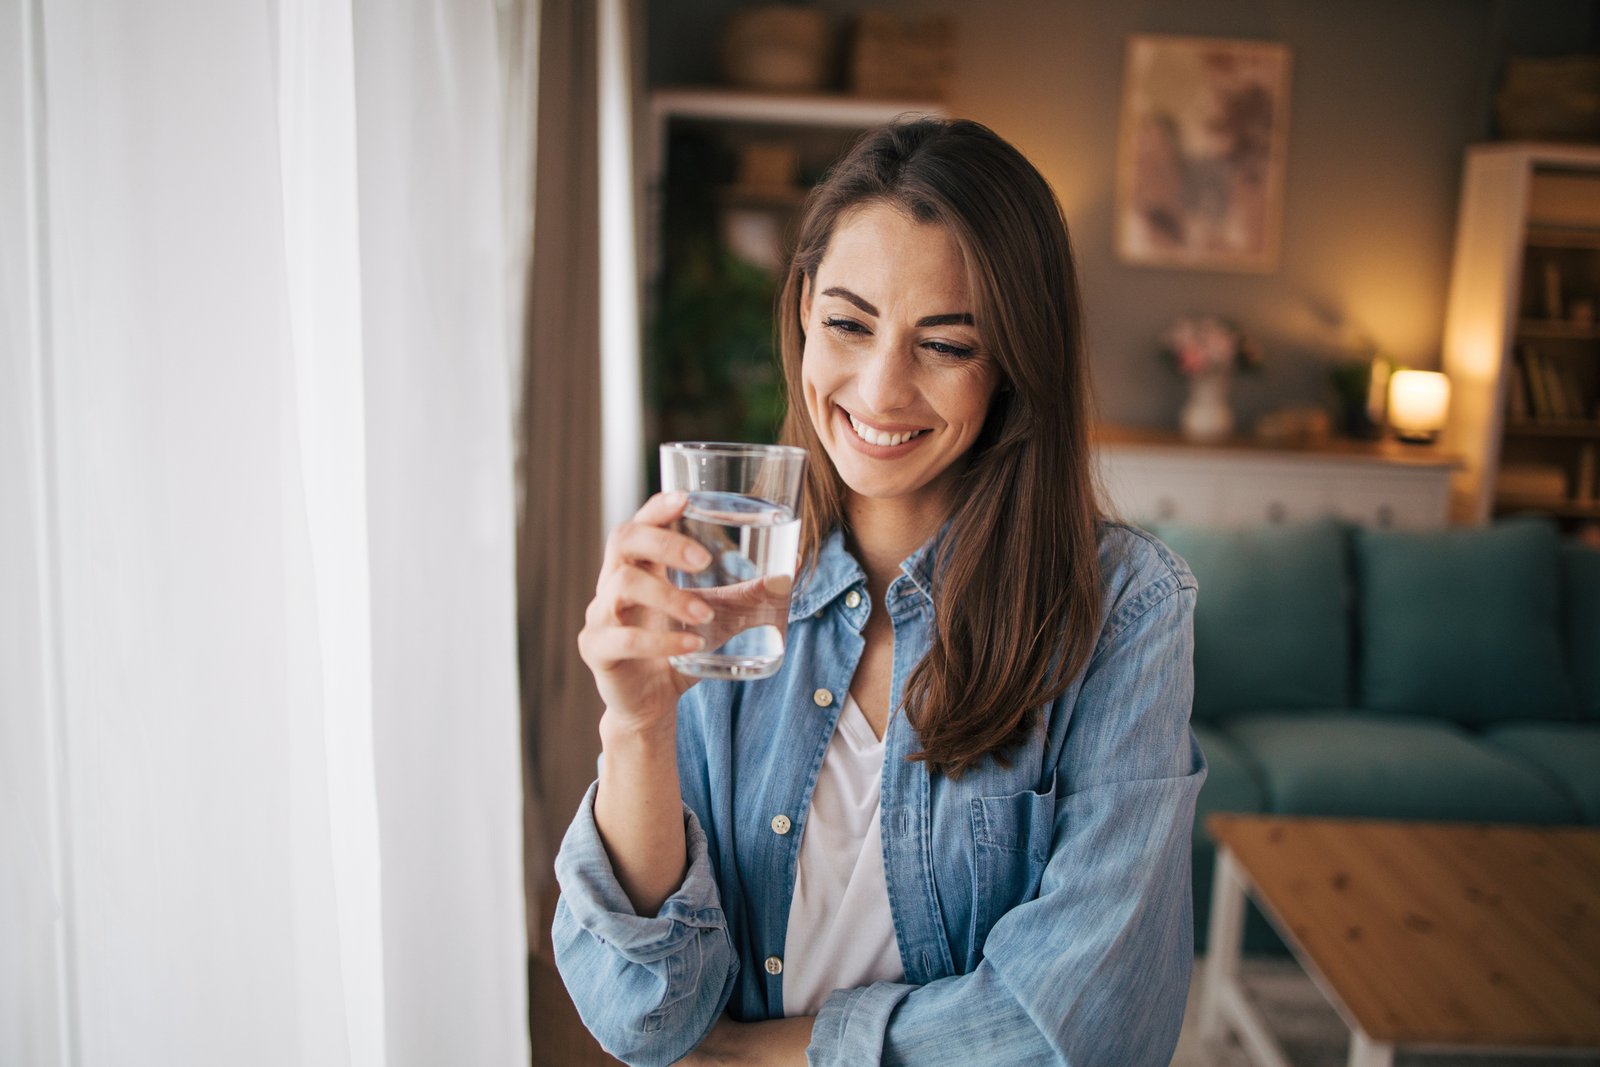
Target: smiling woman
[
  {"x": 897, "y": 396},
  {"x": 955, "y": 826}
]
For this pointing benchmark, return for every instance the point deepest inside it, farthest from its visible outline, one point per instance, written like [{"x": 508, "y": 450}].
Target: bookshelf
[{"x": 1522, "y": 334}]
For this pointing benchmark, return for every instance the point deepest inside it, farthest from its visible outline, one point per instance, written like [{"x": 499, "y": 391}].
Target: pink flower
[{"x": 1201, "y": 344}]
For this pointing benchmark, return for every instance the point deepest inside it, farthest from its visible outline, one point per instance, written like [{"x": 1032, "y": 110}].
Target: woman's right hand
[{"x": 626, "y": 637}]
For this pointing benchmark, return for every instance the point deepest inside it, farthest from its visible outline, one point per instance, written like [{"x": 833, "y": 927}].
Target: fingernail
[
  {"x": 702, "y": 611},
  {"x": 778, "y": 585},
  {"x": 692, "y": 642},
  {"x": 697, "y": 556}
]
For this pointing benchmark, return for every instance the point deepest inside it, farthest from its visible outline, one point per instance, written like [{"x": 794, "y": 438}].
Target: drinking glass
[{"x": 744, "y": 507}]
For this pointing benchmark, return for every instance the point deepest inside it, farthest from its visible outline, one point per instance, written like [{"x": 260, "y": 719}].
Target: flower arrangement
[{"x": 1205, "y": 344}]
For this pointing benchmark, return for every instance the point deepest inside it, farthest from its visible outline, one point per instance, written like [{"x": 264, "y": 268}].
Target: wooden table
[{"x": 1423, "y": 935}]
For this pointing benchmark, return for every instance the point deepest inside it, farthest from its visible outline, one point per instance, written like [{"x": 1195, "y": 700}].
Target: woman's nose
[{"x": 886, "y": 381}]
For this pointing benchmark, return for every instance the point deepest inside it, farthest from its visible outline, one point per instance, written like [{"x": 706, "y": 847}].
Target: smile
[{"x": 881, "y": 438}]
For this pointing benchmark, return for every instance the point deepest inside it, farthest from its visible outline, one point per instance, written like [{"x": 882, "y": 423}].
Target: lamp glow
[{"x": 1419, "y": 402}]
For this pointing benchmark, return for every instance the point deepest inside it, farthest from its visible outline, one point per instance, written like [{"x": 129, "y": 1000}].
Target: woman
[{"x": 954, "y": 827}]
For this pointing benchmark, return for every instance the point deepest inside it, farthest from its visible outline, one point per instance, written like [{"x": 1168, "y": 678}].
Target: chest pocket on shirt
[{"x": 1011, "y": 845}]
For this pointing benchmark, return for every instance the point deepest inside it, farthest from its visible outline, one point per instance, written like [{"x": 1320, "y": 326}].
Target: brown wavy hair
[{"x": 1017, "y": 583}]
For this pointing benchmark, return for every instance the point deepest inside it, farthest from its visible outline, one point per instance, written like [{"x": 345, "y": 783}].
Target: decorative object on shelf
[
  {"x": 1554, "y": 98},
  {"x": 778, "y": 47},
  {"x": 1294, "y": 427},
  {"x": 1207, "y": 350},
  {"x": 1201, "y": 152},
  {"x": 1419, "y": 404},
  {"x": 901, "y": 58}
]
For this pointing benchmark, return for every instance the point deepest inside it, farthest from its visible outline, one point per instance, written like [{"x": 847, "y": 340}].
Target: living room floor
[{"x": 1309, "y": 1030}]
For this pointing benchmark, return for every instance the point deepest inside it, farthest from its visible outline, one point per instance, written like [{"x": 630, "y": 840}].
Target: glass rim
[{"x": 733, "y": 448}]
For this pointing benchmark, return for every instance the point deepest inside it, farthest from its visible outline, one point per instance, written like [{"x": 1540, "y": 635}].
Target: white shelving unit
[
  {"x": 805, "y": 133},
  {"x": 1520, "y": 202},
  {"x": 776, "y": 112}
]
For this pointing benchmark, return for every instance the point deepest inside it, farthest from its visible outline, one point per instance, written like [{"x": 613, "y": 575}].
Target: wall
[{"x": 1384, "y": 98}]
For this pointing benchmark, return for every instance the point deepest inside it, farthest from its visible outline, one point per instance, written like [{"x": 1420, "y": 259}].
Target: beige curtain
[{"x": 560, "y": 538}]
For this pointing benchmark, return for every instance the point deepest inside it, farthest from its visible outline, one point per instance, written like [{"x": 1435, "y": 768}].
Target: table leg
[
  {"x": 1365, "y": 1052},
  {"x": 1224, "y": 942}
]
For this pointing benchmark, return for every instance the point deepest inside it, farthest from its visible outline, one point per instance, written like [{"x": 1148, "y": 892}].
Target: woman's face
[{"x": 895, "y": 380}]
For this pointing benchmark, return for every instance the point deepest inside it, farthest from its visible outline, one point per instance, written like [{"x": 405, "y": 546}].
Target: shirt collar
[{"x": 837, "y": 570}]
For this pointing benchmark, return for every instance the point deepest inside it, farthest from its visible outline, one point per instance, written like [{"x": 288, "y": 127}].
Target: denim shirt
[{"x": 1042, "y": 909}]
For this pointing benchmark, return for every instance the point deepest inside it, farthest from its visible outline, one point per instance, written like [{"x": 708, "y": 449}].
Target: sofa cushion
[
  {"x": 1567, "y": 752},
  {"x": 1580, "y": 595},
  {"x": 1231, "y": 782},
  {"x": 1271, "y": 624},
  {"x": 1356, "y": 763},
  {"x": 1462, "y": 624}
]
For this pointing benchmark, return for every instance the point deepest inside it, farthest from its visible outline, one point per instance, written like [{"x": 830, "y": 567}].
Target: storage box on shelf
[{"x": 1522, "y": 333}]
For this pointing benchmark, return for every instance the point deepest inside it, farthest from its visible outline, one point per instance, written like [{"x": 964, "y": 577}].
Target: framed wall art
[{"x": 1201, "y": 153}]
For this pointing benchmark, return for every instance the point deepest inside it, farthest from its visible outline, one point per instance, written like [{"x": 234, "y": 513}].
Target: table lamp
[{"x": 1419, "y": 402}]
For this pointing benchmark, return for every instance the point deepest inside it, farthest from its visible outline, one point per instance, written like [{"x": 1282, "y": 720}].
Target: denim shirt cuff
[
  {"x": 595, "y": 898},
  {"x": 850, "y": 1027}
]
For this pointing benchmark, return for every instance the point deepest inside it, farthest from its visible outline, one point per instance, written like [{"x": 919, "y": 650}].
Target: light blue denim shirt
[{"x": 1042, "y": 909}]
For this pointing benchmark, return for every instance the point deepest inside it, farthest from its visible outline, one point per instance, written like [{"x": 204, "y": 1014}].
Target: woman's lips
[{"x": 879, "y": 441}]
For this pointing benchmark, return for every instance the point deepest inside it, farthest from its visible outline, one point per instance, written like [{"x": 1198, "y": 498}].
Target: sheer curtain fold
[
  {"x": 561, "y": 536},
  {"x": 259, "y": 522}
]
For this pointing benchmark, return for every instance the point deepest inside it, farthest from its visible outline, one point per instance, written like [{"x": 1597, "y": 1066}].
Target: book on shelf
[
  {"x": 1552, "y": 290},
  {"x": 1539, "y": 402},
  {"x": 1553, "y": 391},
  {"x": 1584, "y": 487},
  {"x": 1517, "y": 404}
]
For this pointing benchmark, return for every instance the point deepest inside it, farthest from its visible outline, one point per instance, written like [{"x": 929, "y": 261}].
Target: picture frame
[{"x": 1200, "y": 172}]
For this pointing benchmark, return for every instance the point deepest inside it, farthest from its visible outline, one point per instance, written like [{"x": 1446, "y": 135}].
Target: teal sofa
[{"x": 1445, "y": 675}]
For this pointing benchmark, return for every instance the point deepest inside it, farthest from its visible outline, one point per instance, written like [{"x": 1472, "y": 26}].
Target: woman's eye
[
  {"x": 844, "y": 325},
  {"x": 946, "y": 349}
]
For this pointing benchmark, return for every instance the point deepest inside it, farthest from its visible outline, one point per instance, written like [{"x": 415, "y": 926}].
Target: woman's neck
[{"x": 883, "y": 533}]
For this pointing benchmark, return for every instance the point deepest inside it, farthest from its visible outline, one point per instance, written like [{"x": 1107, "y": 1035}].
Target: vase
[{"x": 1205, "y": 415}]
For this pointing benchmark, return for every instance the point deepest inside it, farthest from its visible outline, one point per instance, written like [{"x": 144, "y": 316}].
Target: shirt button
[
  {"x": 852, "y": 599},
  {"x": 774, "y": 965},
  {"x": 781, "y": 824},
  {"x": 817, "y": 614},
  {"x": 822, "y": 697}
]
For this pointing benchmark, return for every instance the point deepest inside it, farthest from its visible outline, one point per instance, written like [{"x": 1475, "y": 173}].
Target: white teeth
[{"x": 878, "y": 437}]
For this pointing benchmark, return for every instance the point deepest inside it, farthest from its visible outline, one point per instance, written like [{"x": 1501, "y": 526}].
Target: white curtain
[{"x": 259, "y": 773}]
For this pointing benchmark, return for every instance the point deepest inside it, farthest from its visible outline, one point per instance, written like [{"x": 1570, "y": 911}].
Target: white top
[{"x": 841, "y": 933}]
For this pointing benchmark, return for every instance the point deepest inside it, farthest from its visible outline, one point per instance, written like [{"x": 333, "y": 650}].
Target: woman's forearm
[{"x": 639, "y": 811}]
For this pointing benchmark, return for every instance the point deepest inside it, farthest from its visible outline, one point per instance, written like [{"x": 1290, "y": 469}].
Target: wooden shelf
[
  {"x": 1563, "y": 237},
  {"x": 1558, "y": 507},
  {"x": 1556, "y": 330},
  {"x": 1564, "y": 428},
  {"x": 789, "y": 109}
]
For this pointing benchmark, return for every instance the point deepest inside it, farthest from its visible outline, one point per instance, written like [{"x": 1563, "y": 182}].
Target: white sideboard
[{"x": 1149, "y": 476}]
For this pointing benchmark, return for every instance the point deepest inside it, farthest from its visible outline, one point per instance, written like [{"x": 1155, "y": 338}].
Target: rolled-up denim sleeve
[
  {"x": 1095, "y": 969},
  {"x": 649, "y": 989}
]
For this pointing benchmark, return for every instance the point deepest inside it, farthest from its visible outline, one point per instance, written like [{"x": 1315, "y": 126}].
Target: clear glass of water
[{"x": 744, "y": 507}]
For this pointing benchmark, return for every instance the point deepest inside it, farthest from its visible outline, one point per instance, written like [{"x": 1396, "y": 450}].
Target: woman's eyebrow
[
  {"x": 846, "y": 294},
  {"x": 961, "y": 318}
]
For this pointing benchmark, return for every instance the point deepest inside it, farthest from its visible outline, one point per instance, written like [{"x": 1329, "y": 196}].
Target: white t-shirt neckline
[{"x": 841, "y": 931}]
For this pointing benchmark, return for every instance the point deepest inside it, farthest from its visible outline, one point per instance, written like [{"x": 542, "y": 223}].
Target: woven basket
[
  {"x": 894, "y": 58},
  {"x": 1550, "y": 99}
]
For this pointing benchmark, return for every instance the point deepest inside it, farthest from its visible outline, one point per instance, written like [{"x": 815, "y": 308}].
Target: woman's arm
[
  {"x": 639, "y": 935},
  {"x": 1095, "y": 969},
  {"x": 625, "y": 642},
  {"x": 777, "y": 1043}
]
